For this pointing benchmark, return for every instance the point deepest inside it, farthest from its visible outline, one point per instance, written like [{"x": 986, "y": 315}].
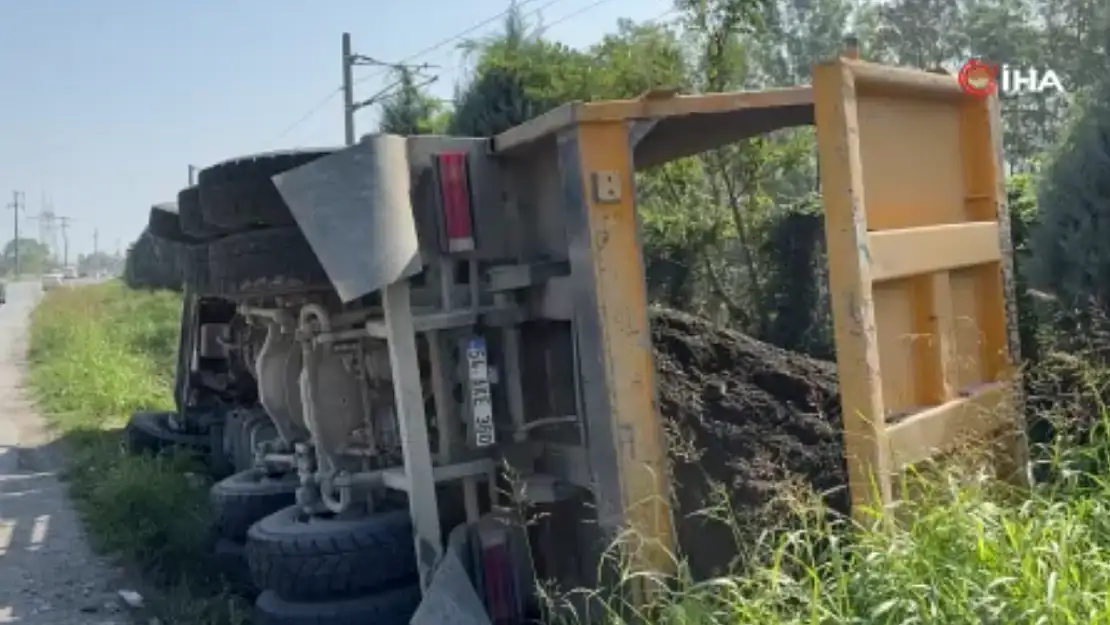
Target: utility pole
[
  {"x": 350, "y": 60},
  {"x": 15, "y": 206},
  {"x": 65, "y": 221},
  {"x": 348, "y": 92},
  {"x": 96, "y": 241}
]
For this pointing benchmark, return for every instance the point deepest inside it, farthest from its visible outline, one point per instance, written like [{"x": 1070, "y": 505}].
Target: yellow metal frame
[
  {"x": 618, "y": 279},
  {"x": 907, "y": 275},
  {"x": 598, "y": 142},
  {"x": 920, "y": 271}
]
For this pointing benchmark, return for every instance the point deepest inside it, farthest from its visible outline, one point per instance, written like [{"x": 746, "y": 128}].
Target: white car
[{"x": 52, "y": 280}]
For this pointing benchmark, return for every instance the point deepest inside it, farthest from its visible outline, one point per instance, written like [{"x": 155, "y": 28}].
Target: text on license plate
[{"x": 481, "y": 404}]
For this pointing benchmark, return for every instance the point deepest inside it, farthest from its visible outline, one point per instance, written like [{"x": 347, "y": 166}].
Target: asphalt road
[{"x": 48, "y": 574}]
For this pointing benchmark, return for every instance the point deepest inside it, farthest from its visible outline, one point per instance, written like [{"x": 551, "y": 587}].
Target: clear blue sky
[{"x": 105, "y": 103}]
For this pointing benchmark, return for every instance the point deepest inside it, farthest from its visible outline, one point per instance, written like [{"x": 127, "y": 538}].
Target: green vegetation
[
  {"x": 34, "y": 257},
  {"x": 97, "y": 354},
  {"x": 1070, "y": 246},
  {"x": 968, "y": 555}
]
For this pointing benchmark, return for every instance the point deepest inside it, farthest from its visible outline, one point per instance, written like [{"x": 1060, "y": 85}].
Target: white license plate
[{"x": 481, "y": 401}]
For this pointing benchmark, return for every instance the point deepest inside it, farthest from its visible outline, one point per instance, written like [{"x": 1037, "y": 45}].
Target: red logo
[{"x": 979, "y": 78}]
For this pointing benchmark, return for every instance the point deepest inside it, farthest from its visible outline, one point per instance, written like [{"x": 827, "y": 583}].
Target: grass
[
  {"x": 967, "y": 550},
  {"x": 964, "y": 559},
  {"x": 97, "y": 354},
  {"x": 970, "y": 552}
]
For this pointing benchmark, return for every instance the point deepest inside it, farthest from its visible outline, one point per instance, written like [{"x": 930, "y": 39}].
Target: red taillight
[{"x": 454, "y": 191}]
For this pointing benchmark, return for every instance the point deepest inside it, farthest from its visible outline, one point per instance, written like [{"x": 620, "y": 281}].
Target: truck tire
[
  {"x": 197, "y": 276},
  {"x": 220, "y": 466},
  {"x": 392, "y": 607},
  {"x": 151, "y": 433},
  {"x": 262, "y": 262},
  {"x": 319, "y": 559},
  {"x": 238, "y": 194},
  {"x": 239, "y": 500},
  {"x": 191, "y": 217},
  {"x": 184, "y": 349},
  {"x": 164, "y": 223},
  {"x": 232, "y": 562}
]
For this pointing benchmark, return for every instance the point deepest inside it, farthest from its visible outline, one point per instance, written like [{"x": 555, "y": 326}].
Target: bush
[
  {"x": 1070, "y": 257},
  {"x": 1022, "y": 203}
]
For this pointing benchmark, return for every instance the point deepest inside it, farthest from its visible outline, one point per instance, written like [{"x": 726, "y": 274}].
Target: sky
[{"x": 104, "y": 104}]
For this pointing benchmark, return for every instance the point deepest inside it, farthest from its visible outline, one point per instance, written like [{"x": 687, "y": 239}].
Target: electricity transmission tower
[{"x": 48, "y": 226}]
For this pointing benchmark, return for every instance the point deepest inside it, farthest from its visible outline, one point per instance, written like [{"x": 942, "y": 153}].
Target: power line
[
  {"x": 436, "y": 46},
  {"x": 350, "y": 106},
  {"x": 574, "y": 14},
  {"x": 654, "y": 21},
  {"x": 312, "y": 111},
  {"x": 338, "y": 90},
  {"x": 432, "y": 48},
  {"x": 458, "y": 36},
  {"x": 545, "y": 27}
]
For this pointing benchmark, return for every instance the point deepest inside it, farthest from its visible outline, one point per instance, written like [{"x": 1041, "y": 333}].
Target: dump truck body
[{"x": 454, "y": 319}]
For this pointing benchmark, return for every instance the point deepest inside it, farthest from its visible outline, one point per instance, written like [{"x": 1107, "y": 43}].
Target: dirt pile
[{"x": 747, "y": 416}]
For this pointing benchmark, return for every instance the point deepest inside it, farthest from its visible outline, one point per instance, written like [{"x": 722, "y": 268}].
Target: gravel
[{"x": 48, "y": 573}]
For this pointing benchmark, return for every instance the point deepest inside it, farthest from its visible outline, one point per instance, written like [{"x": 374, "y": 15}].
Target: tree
[
  {"x": 1070, "y": 257},
  {"x": 34, "y": 257},
  {"x": 411, "y": 111},
  {"x": 1021, "y": 200},
  {"x": 799, "y": 34},
  {"x": 517, "y": 76}
]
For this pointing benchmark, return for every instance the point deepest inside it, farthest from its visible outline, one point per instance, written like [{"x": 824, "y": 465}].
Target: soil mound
[{"x": 746, "y": 417}]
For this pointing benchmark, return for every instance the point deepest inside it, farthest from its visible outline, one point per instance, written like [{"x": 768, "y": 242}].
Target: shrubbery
[{"x": 1071, "y": 245}]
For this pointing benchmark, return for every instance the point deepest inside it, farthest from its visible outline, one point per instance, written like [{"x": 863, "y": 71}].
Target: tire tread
[{"x": 311, "y": 567}]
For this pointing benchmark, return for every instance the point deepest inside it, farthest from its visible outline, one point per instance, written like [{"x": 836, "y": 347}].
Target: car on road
[{"x": 52, "y": 280}]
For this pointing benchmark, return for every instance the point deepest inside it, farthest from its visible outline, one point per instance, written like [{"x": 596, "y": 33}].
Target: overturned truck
[{"x": 391, "y": 348}]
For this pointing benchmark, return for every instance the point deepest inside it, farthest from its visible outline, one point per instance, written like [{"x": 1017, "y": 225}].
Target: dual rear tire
[
  {"x": 310, "y": 569},
  {"x": 329, "y": 571},
  {"x": 153, "y": 432},
  {"x": 243, "y": 238}
]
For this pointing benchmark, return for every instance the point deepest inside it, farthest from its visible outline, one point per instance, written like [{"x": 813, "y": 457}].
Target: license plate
[{"x": 481, "y": 404}]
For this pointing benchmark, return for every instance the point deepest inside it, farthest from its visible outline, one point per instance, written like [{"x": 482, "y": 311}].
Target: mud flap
[{"x": 354, "y": 209}]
